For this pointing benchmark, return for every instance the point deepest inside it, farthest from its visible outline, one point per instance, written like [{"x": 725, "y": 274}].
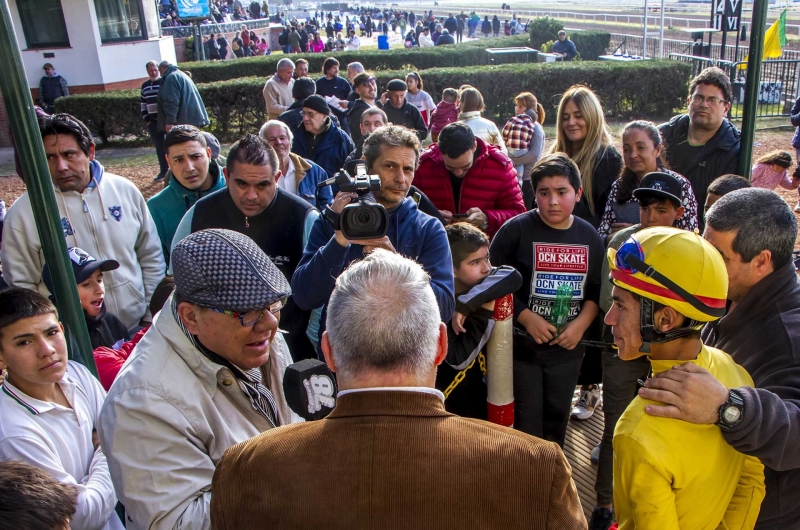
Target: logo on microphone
[{"x": 320, "y": 390}]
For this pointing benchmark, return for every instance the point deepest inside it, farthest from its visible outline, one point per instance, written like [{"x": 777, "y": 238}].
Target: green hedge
[
  {"x": 651, "y": 89},
  {"x": 542, "y": 30},
  {"x": 591, "y": 43},
  {"x": 466, "y": 54}
]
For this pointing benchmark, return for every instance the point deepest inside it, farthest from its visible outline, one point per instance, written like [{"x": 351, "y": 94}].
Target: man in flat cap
[
  {"x": 319, "y": 139},
  {"x": 401, "y": 112},
  {"x": 206, "y": 376}
]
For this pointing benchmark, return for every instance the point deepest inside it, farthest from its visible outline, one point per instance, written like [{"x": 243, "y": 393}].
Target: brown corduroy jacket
[{"x": 394, "y": 460}]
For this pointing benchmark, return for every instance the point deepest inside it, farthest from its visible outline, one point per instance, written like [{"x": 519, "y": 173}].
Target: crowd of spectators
[{"x": 184, "y": 295}]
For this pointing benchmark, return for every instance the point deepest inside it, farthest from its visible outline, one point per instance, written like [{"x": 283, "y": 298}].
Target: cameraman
[{"x": 391, "y": 152}]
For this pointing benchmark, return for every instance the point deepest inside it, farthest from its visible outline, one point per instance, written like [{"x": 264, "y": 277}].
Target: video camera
[{"x": 363, "y": 218}]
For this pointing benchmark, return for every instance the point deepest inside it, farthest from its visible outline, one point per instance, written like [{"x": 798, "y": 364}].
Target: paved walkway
[{"x": 582, "y": 436}]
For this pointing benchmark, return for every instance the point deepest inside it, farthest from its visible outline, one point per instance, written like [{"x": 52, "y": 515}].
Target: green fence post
[
  {"x": 22, "y": 118},
  {"x": 757, "y": 30}
]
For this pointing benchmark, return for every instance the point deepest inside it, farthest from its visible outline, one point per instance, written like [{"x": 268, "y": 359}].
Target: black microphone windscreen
[{"x": 310, "y": 389}]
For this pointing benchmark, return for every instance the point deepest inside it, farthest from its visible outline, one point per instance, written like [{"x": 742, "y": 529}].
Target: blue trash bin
[{"x": 383, "y": 42}]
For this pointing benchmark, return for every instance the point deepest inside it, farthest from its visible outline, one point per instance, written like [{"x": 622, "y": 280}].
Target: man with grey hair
[
  {"x": 353, "y": 69},
  {"x": 392, "y": 153},
  {"x": 299, "y": 175},
  {"x": 380, "y": 458},
  {"x": 277, "y": 90},
  {"x": 206, "y": 376},
  {"x": 755, "y": 231}
]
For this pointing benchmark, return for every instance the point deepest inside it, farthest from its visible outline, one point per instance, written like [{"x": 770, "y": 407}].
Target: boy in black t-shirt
[
  {"x": 550, "y": 247},
  {"x": 477, "y": 285}
]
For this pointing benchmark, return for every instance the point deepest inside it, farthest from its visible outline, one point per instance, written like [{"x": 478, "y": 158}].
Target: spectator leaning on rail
[
  {"x": 102, "y": 213},
  {"x": 703, "y": 144},
  {"x": 755, "y": 231},
  {"x": 277, "y": 90},
  {"x": 392, "y": 153},
  {"x": 179, "y": 102},
  {"x": 389, "y": 443},
  {"x": 193, "y": 174},
  {"x": 206, "y": 376},
  {"x": 464, "y": 175}
]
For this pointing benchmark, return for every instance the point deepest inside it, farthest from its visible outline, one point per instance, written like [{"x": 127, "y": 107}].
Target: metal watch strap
[{"x": 734, "y": 400}]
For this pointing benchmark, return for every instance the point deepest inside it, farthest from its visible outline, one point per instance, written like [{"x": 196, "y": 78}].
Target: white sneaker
[
  {"x": 590, "y": 399},
  {"x": 797, "y": 208}
]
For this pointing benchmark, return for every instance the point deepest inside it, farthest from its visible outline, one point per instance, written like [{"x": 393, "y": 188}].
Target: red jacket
[
  {"x": 490, "y": 184},
  {"x": 109, "y": 361}
]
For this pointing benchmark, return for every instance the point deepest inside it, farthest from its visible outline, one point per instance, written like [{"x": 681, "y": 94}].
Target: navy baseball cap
[
  {"x": 661, "y": 185},
  {"x": 83, "y": 265}
]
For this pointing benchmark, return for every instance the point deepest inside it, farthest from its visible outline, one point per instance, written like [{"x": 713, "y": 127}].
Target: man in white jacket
[
  {"x": 206, "y": 376},
  {"x": 277, "y": 90},
  {"x": 425, "y": 39},
  {"x": 102, "y": 213}
]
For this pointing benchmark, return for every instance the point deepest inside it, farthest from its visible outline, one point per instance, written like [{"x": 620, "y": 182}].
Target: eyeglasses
[
  {"x": 711, "y": 100},
  {"x": 310, "y": 115},
  {"x": 250, "y": 318}
]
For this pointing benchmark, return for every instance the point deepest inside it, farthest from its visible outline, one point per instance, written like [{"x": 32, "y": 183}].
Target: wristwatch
[
  {"x": 485, "y": 225},
  {"x": 732, "y": 411}
]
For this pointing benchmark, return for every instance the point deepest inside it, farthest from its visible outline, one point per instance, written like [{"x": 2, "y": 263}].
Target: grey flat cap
[{"x": 226, "y": 270}]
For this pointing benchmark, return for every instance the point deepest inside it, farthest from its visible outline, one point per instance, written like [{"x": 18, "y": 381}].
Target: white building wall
[
  {"x": 79, "y": 63},
  {"x": 87, "y": 61},
  {"x": 125, "y": 60}
]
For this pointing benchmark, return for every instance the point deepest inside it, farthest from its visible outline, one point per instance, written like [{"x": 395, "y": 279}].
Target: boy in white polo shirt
[{"x": 49, "y": 407}]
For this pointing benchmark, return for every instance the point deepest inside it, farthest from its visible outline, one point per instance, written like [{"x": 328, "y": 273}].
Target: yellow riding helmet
[{"x": 675, "y": 268}]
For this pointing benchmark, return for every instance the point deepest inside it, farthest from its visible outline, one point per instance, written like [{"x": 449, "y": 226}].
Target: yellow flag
[{"x": 774, "y": 40}]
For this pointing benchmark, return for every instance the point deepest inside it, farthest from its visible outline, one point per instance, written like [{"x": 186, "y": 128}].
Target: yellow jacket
[{"x": 670, "y": 474}]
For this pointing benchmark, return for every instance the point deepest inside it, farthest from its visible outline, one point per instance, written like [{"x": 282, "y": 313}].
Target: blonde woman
[
  {"x": 470, "y": 106},
  {"x": 582, "y": 133}
]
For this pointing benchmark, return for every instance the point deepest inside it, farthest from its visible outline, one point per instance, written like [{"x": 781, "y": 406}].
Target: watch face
[{"x": 731, "y": 414}]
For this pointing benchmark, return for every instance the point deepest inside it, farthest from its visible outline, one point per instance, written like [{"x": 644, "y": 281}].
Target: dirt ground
[{"x": 11, "y": 186}]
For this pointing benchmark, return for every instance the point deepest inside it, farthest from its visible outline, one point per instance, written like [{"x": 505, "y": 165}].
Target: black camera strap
[{"x": 332, "y": 217}]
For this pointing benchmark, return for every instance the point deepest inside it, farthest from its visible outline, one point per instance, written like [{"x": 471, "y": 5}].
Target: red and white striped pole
[{"x": 500, "y": 364}]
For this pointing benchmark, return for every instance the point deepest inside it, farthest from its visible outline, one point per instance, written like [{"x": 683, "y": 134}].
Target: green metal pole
[
  {"x": 30, "y": 149},
  {"x": 756, "y": 52}
]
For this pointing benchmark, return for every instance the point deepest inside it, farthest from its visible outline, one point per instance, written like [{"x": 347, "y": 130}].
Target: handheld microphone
[{"x": 310, "y": 389}]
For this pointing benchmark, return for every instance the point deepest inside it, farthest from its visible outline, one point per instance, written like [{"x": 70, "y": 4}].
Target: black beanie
[
  {"x": 397, "y": 84},
  {"x": 317, "y": 103}
]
